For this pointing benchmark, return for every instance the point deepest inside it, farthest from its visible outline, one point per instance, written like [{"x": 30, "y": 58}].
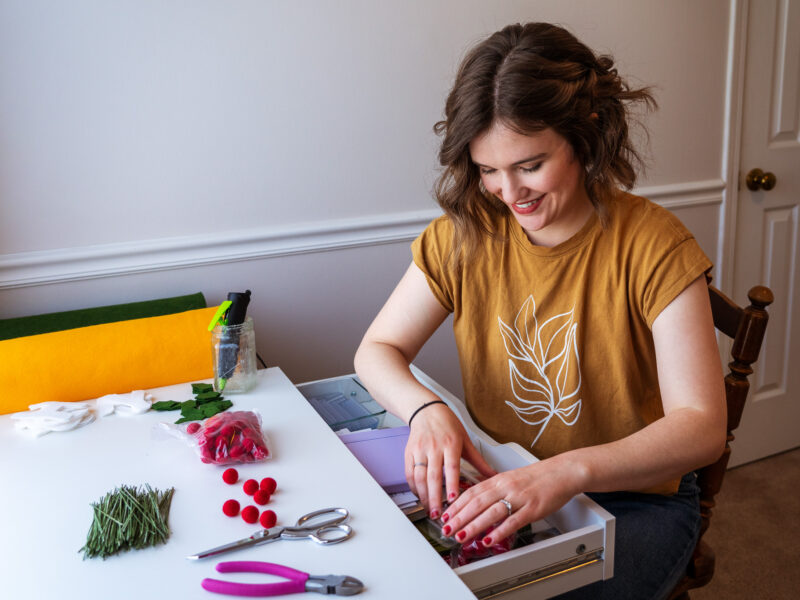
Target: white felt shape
[
  {"x": 132, "y": 403},
  {"x": 45, "y": 417}
]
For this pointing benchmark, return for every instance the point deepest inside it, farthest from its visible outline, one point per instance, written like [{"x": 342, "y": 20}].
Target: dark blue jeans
[{"x": 655, "y": 538}]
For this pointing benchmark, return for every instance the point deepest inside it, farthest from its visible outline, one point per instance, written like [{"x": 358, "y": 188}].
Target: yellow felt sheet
[{"x": 89, "y": 362}]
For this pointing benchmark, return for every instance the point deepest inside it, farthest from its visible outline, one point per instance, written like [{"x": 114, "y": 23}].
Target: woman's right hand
[{"x": 436, "y": 444}]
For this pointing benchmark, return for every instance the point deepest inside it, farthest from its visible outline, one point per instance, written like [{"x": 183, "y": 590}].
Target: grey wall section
[
  {"x": 131, "y": 120},
  {"x": 159, "y": 124}
]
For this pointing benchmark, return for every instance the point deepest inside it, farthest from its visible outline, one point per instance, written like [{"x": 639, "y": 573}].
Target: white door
[{"x": 767, "y": 242}]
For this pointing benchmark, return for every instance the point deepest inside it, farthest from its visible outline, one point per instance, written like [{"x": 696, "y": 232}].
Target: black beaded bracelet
[{"x": 414, "y": 414}]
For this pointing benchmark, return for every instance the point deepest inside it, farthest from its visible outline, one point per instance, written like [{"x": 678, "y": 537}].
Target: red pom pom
[
  {"x": 261, "y": 497},
  {"x": 231, "y": 508},
  {"x": 250, "y": 487},
  {"x": 250, "y": 514},
  {"x": 192, "y": 428},
  {"x": 268, "y": 485},
  {"x": 268, "y": 519},
  {"x": 230, "y": 476}
]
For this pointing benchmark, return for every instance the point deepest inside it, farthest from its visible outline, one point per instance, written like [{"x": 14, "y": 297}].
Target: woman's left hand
[{"x": 533, "y": 492}]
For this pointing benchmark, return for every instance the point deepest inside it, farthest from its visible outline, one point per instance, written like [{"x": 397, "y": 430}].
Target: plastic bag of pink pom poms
[{"x": 231, "y": 437}]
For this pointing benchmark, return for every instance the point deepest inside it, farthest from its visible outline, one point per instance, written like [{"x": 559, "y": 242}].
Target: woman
[{"x": 581, "y": 315}]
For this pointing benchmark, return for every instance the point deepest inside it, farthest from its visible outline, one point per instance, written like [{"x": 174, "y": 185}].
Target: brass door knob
[{"x": 758, "y": 180}]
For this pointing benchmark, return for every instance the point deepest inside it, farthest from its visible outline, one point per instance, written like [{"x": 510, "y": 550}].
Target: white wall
[{"x": 155, "y": 148}]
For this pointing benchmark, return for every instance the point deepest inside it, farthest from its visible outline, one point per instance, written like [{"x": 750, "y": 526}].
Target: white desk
[{"x": 49, "y": 483}]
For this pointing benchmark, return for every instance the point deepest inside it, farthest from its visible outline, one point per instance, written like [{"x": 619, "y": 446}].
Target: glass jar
[{"x": 234, "y": 354}]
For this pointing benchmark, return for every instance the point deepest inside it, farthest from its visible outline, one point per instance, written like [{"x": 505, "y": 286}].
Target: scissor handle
[
  {"x": 310, "y": 526},
  {"x": 321, "y": 535},
  {"x": 341, "y": 533}
]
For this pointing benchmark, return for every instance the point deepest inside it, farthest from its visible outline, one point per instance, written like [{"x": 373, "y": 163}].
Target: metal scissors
[
  {"x": 341, "y": 585},
  {"x": 324, "y": 526}
]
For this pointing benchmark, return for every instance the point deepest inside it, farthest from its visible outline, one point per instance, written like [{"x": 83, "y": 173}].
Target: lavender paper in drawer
[{"x": 381, "y": 453}]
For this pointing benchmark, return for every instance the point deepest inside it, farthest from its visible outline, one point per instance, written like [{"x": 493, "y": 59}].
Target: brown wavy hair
[{"x": 533, "y": 77}]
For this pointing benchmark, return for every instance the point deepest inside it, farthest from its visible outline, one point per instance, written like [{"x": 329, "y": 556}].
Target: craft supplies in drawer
[{"x": 569, "y": 549}]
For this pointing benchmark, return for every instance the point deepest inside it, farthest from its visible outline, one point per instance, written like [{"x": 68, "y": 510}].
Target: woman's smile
[{"x": 527, "y": 207}]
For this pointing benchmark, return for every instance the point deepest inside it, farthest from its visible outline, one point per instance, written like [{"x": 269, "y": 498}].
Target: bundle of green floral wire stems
[{"x": 127, "y": 518}]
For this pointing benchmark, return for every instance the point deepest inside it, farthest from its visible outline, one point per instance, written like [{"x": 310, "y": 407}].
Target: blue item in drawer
[{"x": 381, "y": 452}]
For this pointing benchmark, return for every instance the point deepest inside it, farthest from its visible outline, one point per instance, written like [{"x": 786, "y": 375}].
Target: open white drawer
[{"x": 583, "y": 551}]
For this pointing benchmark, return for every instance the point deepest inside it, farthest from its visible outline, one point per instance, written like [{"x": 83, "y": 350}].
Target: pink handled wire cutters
[{"x": 298, "y": 581}]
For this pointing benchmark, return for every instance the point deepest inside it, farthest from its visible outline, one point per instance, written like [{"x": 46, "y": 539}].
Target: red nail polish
[
  {"x": 451, "y": 496},
  {"x": 446, "y": 530},
  {"x": 434, "y": 514},
  {"x": 461, "y": 535},
  {"x": 487, "y": 541},
  {"x": 445, "y": 518}
]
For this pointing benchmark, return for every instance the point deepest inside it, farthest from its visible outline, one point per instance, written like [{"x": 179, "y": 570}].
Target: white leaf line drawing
[{"x": 551, "y": 350}]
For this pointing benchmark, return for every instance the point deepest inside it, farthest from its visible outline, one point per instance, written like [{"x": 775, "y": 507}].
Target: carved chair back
[{"x": 746, "y": 327}]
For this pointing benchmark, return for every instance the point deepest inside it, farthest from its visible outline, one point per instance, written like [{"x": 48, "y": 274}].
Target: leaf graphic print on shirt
[{"x": 544, "y": 367}]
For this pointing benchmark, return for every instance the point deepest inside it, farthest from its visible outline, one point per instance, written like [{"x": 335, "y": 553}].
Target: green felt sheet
[{"x": 72, "y": 319}]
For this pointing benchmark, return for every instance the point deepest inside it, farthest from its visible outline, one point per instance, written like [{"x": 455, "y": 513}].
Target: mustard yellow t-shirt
[{"x": 555, "y": 344}]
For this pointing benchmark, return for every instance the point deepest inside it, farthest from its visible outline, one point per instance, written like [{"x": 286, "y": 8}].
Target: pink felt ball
[
  {"x": 230, "y": 476},
  {"x": 250, "y": 514},
  {"x": 268, "y": 519},
  {"x": 231, "y": 508},
  {"x": 192, "y": 428},
  {"x": 268, "y": 485}
]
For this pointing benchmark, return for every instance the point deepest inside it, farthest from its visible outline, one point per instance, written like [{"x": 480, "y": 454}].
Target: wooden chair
[{"x": 746, "y": 327}]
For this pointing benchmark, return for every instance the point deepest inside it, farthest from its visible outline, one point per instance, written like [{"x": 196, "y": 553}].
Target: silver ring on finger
[
  {"x": 420, "y": 464},
  {"x": 507, "y": 504}
]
